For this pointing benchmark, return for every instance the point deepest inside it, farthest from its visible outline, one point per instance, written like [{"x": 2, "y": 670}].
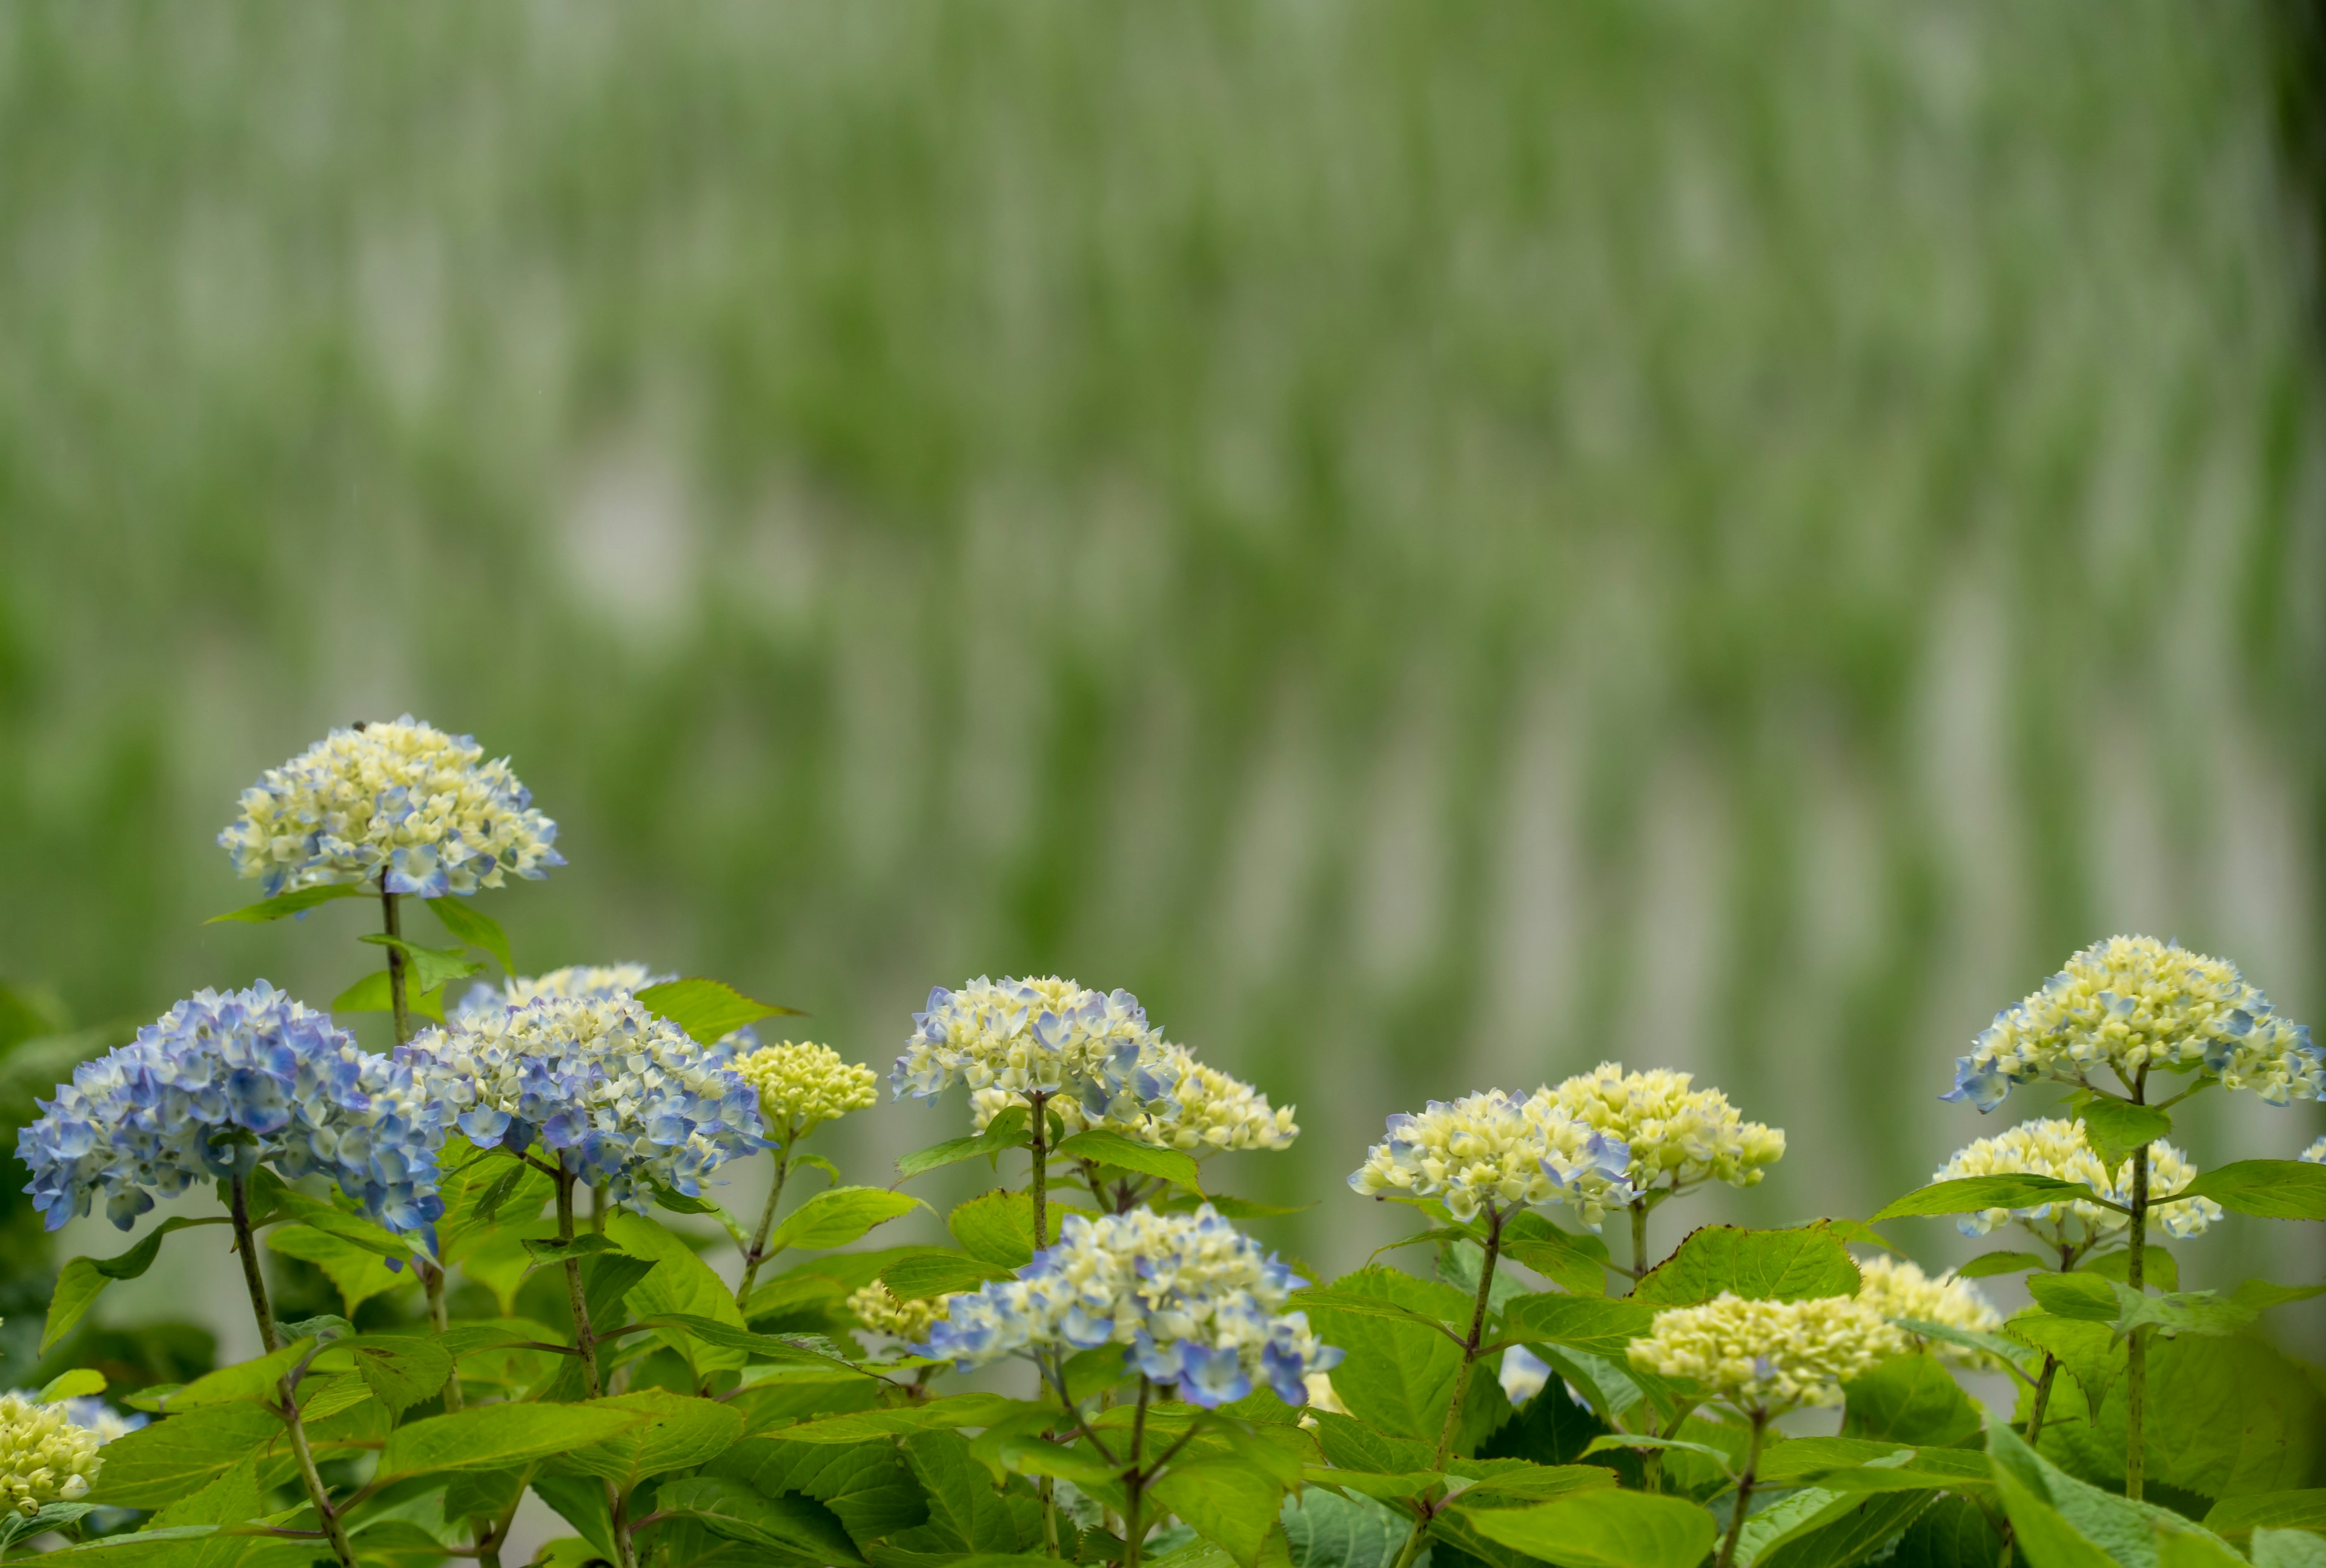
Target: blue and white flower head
[
  {"x": 2056, "y": 1147},
  {"x": 599, "y": 981},
  {"x": 45, "y": 1457},
  {"x": 1208, "y": 1111},
  {"x": 1194, "y": 1302},
  {"x": 622, "y": 1099},
  {"x": 1678, "y": 1134},
  {"x": 1043, "y": 1035},
  {"x": 1768, "y": 1355},
  {"x": 2315, "y": 1153},
  {"x": 223, "y": 1083},
  {"x": 2132, "y": 1003},
  {"x": 401, "y": 806},
  {"x": 1494, "y": 1150}
]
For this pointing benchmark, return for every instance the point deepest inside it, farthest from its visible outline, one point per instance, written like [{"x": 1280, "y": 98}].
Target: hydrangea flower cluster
[
  {"x": 88, "y": 1413},
  {"x": 2055, "y": 1147},
  {"x": 2133, "y": 1002},
  {"x": 1897, "y": 1288},
  {"x": 1036, "y": 1036},
  {"x": 2315, "y": 1153},
  {"x": 801, "y": 1085},
  {"x": 224, "y": 1082},
  {"x": 591, "y": 981},
  {"x": 1495, "y": 1149},
  {"x": 876, "y": 1306},
  {"x": 1679, "y": 1135},
  {"x": 1773, "y": 1355},
  {"x": 1208, "y": 1112},
  {"x": 1195, "y": 1301},
  {"x": 402, "y": 805},
  {"x": 626, "y": 1099},
  {"x": 45, "y": 1456}
]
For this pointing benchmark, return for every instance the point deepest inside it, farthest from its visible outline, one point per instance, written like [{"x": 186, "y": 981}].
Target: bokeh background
[{"x": 1435, "y": 544}]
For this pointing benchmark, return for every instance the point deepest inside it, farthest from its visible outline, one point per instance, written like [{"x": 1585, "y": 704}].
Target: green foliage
[
  {"x": 1759, "y": 1265},
  {"x": 1910, "y": 1399},
  {"x": 83, "y": 1279},
  {"x": 2115, "y": 1127},
  {"x": 2271, "y": 1189},
  {"x": 470, "y": 925},
  {"x": 1968, "y": 1194},
  {"x": 1605, "y": 1529},
  {"x": 1102, "y": 1147},
  {"x": 708, "y": 1010},
  {"x": 288, "y": 904}
]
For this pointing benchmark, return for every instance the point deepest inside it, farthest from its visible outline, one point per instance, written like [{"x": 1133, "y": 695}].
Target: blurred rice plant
[{"x": 1437, "y": 544}]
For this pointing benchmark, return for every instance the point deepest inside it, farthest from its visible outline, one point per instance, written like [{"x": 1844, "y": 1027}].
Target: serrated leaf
[
  {"x": 494, "y": 1436},
  {"x": 1969, "y": 1195},
  {"x": 708, "y": 1010},
  {"x": 1594, "y": 1325},
  {"x": 425, "y": 969},
  {"x": 2012, "y": 1354},
  {"x": 946, "y": 1415},
  {"x": 1606, "y": 1528},
  {"x": 676, "y": 1432},
  {"x": 14, "y": 1525},
  {"x": 162, "y": 1462},
  {"x": 1911, "y": 1399},
  {"x": 1007, "y": 1130},
  {"x": 1231, "y": 1208},
  {"x": 1988, "y": 1263},
  {"x": 465, "y": 924},
  {"x": 356, "y": 1273},
  {"x": 1758, "y": 1264},
  {"x": 1638, "y": 1442},
  {"x": 2115, "y": 1127},
  {"x": 1104, "y": 1146},
  {"x": 1575, "y": 1262},
  {"x": 400, "y": 1370},
  {"x": 1327, "y": 1531},
  {"x": 373, "y": 994},
  {"x": 926, "y": 1275},
  {"x": 795, "y": 1349},
  {"x": 83, "y": 1279},
  {"x": 998, "y": 1228},
  {"x": 257, "y": 1379},
  {"x": 1232, "y": 1506},
  {"x": 839, "y": 1216},
  {"x": 1399, "y": 1369},
  {"x": 2158, "y": 1267},
  {"x": 287, "y": 903},
  {"x": 866, "y": 1486},
  {"x": 790, "y": 1524},
  {"x": 2235, "y": 1518},
  {"x": 2089, "y": 1351},
  {"x": 2270, "y": 1189},
  {"x": 2075, "y": 1295},
  {"x": 682, "y": 1285}
]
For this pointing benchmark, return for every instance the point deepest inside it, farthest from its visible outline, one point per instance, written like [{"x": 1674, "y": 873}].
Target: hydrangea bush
[{"x": 546, "y": 1295}]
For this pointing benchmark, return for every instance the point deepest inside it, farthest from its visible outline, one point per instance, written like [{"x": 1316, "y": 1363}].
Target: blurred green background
[{"x": 1438, "y": 543}]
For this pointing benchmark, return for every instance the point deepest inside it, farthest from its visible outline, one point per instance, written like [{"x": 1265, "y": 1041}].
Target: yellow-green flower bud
[
  {"x": 44, "y": 1457},
  {"x": 801, "y": 1086}
]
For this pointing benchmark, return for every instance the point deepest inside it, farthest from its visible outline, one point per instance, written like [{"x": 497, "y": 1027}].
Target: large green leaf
[
  {"x": 168, "y": 1459},
  {"x": 797, "y": 1351},
  {"x": 681, "y": 1284},
  {"x": 1605, "y": 1529},
  {"x": 2225, "y": 1416},
  {"x": 2234, "y": 1519},
  {"x": 2284, "y": 1549},
  {"x": 1398, "y": 1374},
  {"x": 2062, "y": 1522},
  {"x": 1849, "y": 1531},
  {"x": 462, "y": 919},
  {"x": 2090, "y": 1351},
  {"x": 260, "y": 1379},
  {"x": 866, "y": 1485},
  {"x": 356, "y": 1273},
  {"x": 493, "y": 1436},
  {"x": 1574, "y": 1263},
  {"x": 966, "y": 1512},
  {"x": 2272, "y": 1189},
  {"x": 1324, "y": 1530},
  {"x": 1952, "y": 1533},
  {"x": 1595, "y": 1324},
  {"x": 709, "y": 1010},
  {"x": 1968, "y": 1194},
  {"x": 2115, "y": 1127},
  {"x": 426, "y": 969},
  {"x": 1987, "y": 1264},
  {"x": 1101, "y": 1146},
  {"x": 1233, "y": 1505},
  {"x": 400, "y": 1370},
  {"x": 286, "y": 903},
  {"x": 83, "y": 1279},
  {"x": 955, "y": 1410},
  {"x": 787, "y": 1522},
  {"x": 1910, "y": 1399},
  {"x": 375, "y": 993},
  {"x": 676, "y": 1432},
  {"x": 486, "y": 1191},
  {"x": 838, "y": 1216},
  {"x": 1007, "y": 1130},
  {"x": 998, "y": 1228},
  {"x": 924, "y": 1275},
  {"x": 1758, "y": 1264},
  {"x": 14, "y": 1525}
]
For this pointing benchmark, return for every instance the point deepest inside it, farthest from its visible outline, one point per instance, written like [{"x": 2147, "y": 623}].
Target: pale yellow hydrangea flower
[
  {"x": 876, "y": 1306},
  {"x": 1209, "y": 1111},
  {"x": 801, "y": 1086},
  {"x": 1495, "y": 1150},
  {"x": 1897, "y": 1288},
  {"x": 1769, "y": 1355},
  {"x": 1679, "y": 1135},
  {"x": 2054, "y": 1146},
  {"x": 44, "y": 1457}
]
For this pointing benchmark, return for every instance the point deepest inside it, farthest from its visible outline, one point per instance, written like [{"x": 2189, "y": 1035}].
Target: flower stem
[
  {"x": 1639, "y": 1240},
  {"x": 585, "y": 1341},
  {"x": 1477, "y": 1335},
  {"x": 2042, "y": 1398},
  {"x": 2136, "y": 1349},
  {"x": 1134, "y": 1479},
  {"x": 1038, "y": 1145},
  {"x": 246, "y": 1244},
  {"x": 1743, "y": 1489},
  {"x": 758, "y": 1252},
  {"x": 393, "y": 924}
]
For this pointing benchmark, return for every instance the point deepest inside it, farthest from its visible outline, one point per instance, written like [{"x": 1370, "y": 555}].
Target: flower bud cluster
[
  {"x": 45, "y": 1456},
  {"x": 801, "y": 1086},
  {"x": 2132, "y": 1003},
  {"x": 220, "y": 1084},
  {"x": 623, "y": 1097},
  {"x": 1494, "y": 1150},
  {"x": 877, "y": 1307},
  {"x": 1195, "y": 1301},
  {"x": 1897, "y": 1288},
  {"x": 2055, "y": 1147},
  {"x": 1771, "y": 1355},
  {"x": 1678, "y": 1136},
  {"x": 403, "y": 806},
  {"x": 1208, "y": 1111},
  {"x": 1036, "y": 1036}
]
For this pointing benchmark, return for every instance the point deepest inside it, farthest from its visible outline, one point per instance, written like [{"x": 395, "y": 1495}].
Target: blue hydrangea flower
[
  {"x": 401, "y": 806},
  {"x": 1046, "y": 1036},
  {"x": 619, "y": 1097},
  {"x": 221, "y": 1085},
  {"x": 1194, "y": 1302}
]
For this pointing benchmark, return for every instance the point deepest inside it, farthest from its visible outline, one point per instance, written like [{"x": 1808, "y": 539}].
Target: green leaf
[
  {"x": 998, "y": 1228},
  {"x": 2115, "y": 1127},
  {"x": 1606, "y": 1528},
  {"x": 168, "y": 1459},
  {"x": 1007, "y": 1130},
  {"x": 373, "y": 994},
  {"x": 400, "y": 1370},
  {"x": 839, "y": 1216},
  {"x": 50, "y": 1517},
  {"x": 866, "y": 1486},
  {"x": 254, "y": 1379},
  {"x": 1575, "y": 1262},
  {"x": 1952, "y": 1533},
  {"x": 675, "y": 1433},
  {"x": 2010, "y": 1353},
  {"x": 2065, "y": 1523},
  {"x": 1327, "y": 1531},
  {"x": 83, "y": 1279},
  {"x": 1988, "y": 1263},
  {"x": 682, "y": 1285},
  {"x": 1594, "y": 1325},
  {"x": 2157, "y": 1266},
  {"x": 2082, "y": 1296},
  {"x": 1640, "y": 1443},
  {"x": 788, "y": 1522},
  {"x": 2225, "y": 1416},
  {"x": 1231, "y": 1505},
  {"x": 78, "y": 1383},
  {"x": 1231, "y": 1208},
  {"x": 926, "y": 1274},
  {"x": 494, "y": 1436},
  {"x": 1969, "y": 1195},
  {"x": 356, "y": 1272},
  {"x": 486, "y": 1191},
  {"x": 1910, "y": 1399},
  {"x": 794, "y": 1351},
  {"x": 2235, "y": 1518},
  {"x": 965, "y": 1513},
  {"x": 1101, "y": 1146},
  {"x": 425, "y": 969},
  {"x": 2285, "y": 1549},
  {"x": 465, "y": 923},
  {"x": 283, "y": 903},
  {"x": 2271, "y": 1189},
  {"x": 1848, "y": 1530},
  {"x": 946, "y": 1415},
  {"x": 708, "y": 1010},
  {"x": 2090, "y": 1351},
  {"x": 1399, "y": 1373},
  {"x": 272, "y": 1201},
  {"x": 1758, "y": 1264}
]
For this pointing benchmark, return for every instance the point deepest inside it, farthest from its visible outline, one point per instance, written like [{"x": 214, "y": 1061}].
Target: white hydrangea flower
[
  {"x": 1679, "y": 1135},
  {"x": 2133, "y": 1002},
  {"x": 1771, "y": 1355},
  {"x": 1194, "y": 1302},
  {"x": 2055, "y": 1147},
  {"x": 1208, "y": 1112},
  {"x": 1492, "y": 1149},
  {"x": 402, "y": 806},
  {"x": 801, "y": 1086},
  {"x": 2315, "y": 1153},
  {"x": 45, "y": 1457},
  {"x": 1897, "y": 1288},
  {"x": 876, "y": 1306},
  {"x": 1046, "y": 1036}
]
